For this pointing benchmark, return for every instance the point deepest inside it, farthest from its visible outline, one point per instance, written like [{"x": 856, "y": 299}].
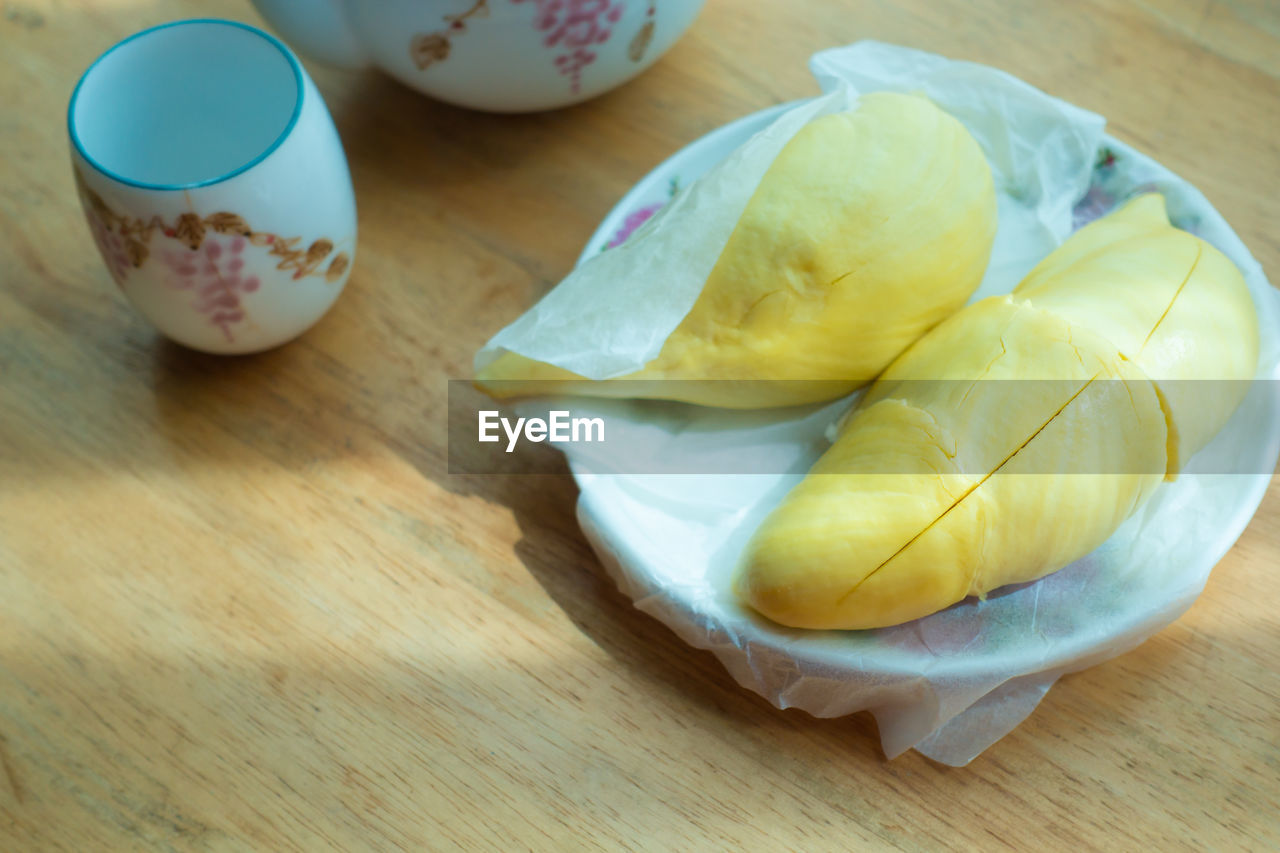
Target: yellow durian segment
[
  {"x": 1142, "y": 215},
  {"x": 894, "y": 471},
  {"x": 869, "y": 228},
  {"x": 896, "y": 519},
  {"x": 1170, "y": 302},
  {"x": 1203, "y": 353},
  {"x": 956, "y": 374},
  {"x": 1020, "y": 523},
  {"x": 1018, "y": 435}
]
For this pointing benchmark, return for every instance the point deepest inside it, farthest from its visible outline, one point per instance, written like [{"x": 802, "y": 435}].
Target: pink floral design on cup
[
  {"x": 216, "y": 276},
  {"x": 128, "y": 242},
  {"x": 111, "y": 247}
]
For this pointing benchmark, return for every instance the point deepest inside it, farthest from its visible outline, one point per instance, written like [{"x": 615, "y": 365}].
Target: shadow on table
[
  {"x": 558, "y": 557},
  {"x": 292, "y": 404}
]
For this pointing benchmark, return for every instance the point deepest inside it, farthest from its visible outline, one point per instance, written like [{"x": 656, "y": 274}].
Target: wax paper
[
  {"x": 953, "y": 683},
  {"x": 611, "y": 315}
]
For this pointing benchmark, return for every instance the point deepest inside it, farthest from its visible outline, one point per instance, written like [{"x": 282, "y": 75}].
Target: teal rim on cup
[{"x": 214, "y": 183}]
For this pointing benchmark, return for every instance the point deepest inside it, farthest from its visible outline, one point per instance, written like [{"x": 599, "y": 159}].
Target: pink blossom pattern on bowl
[
  {"x": 575, "y": 26},
  {"x": 1098, "y": 200},
  {"x": 1109, "y": 187},
  {"x": 633, "y": 220},
  {"x": 572, "y": 27}
]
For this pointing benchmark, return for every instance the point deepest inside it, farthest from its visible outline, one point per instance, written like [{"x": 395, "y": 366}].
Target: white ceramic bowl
[
  {"x": 671, "y": 541},
  {"x": 214, "y": 184},
  {"x": 497, "y": 55}
]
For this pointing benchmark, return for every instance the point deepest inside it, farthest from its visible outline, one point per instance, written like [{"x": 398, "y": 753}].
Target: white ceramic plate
[{"x": 671, "y": 541}]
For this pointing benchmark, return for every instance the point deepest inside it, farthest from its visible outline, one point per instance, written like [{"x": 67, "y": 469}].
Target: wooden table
[{"x": 243, "y": 605}]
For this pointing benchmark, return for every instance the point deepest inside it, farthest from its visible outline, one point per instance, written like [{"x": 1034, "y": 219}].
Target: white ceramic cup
[{"x": 214, "y": 183}]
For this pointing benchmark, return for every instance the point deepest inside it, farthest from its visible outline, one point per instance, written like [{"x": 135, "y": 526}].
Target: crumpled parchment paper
[
  {"x": 953, "y": 683},
  {"x": 613, "y": 313}
]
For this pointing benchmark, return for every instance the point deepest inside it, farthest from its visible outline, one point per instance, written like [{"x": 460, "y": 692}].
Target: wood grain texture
[{"x": 244, "y": 606}]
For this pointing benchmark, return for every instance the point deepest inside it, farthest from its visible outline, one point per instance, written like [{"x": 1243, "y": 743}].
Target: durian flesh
[
  {"x": 869, "y": 228},
  {"x": 946, "y": 482}
]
